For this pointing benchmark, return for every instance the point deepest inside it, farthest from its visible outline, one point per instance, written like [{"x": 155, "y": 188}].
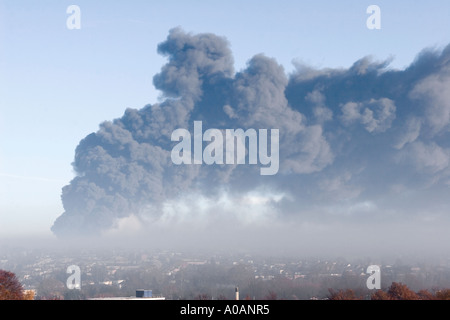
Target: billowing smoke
[{"x": 366, "y": 143}]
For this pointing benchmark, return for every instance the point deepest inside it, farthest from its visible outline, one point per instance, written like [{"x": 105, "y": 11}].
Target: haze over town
[{"x": 363, "y": 115}]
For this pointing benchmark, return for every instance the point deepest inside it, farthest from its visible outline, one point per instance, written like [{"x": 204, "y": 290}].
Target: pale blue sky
[{"x": 57, "y": 85}]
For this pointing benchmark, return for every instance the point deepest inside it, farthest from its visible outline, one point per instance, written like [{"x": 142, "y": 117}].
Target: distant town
[{"x": 181, "y": 275}]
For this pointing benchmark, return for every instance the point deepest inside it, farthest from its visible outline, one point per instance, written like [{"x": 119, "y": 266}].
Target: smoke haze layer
[{"x": 365, "y": 146}]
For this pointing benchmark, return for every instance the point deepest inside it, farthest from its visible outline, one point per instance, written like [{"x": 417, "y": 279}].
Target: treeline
[{"x": 397, "y": 291}]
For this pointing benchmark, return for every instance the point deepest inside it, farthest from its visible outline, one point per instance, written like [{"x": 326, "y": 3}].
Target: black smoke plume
[{"x": 357, "y": 140}]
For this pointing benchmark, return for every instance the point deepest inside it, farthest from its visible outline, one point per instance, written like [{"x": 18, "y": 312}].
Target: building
[{"x": 141, "y": 294}]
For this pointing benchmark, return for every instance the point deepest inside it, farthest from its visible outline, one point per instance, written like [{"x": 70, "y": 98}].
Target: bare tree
[{"x": 10, "y": 287}]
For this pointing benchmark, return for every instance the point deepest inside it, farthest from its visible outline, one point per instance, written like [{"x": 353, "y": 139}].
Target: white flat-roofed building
[{"x": 141, "y": 294}]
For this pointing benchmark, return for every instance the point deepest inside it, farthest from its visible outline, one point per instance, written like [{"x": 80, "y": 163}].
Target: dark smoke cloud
[{"x": 365, "y": 143}]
